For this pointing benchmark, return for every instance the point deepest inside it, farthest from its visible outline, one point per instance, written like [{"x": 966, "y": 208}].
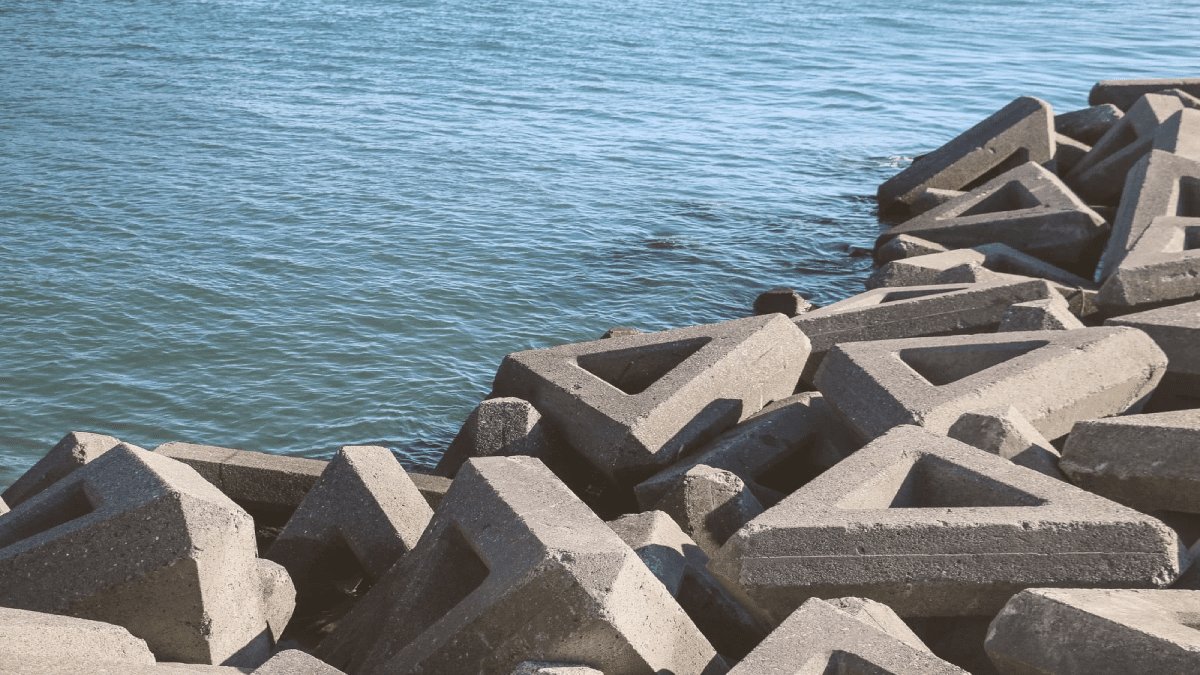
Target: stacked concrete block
[
  {"x": 907, "y": 246},
  {"x": 1149, "y": 462},
  {"x": 1124, "y": 93},
  {"x": 38, "y": 641},
  {"x": 925, "y": 270},
  {"x": 1068, "y": 153},
  {"x": 432, "y": 488},
  {"x": 931, "y": 198},
  {"x": 913, "y": 311},
  {"x": 633, "y": 405},
  {"x": 1022, "y": 131},
  {"x": 497, "y": 426},
  {"x": 1050, "y": 314},
  {"x": 819, "y": 637},
  {"x": 933, "y": 527},
  {"x": 295, "y": 662},
  {"x": 514, "y": 567},
  {"x": 1004, "y": 431},
  {"x": 1163, "y": 265},
  {"x": 1180, "y": 134},
  {"x": 1097, "y": 632},
  {"x": 781, "y": 300},
  {"x": 538, "y": 668},
  {"x": 73, "y": 451},
  {"x": 142, "y": 541},
  {"x": 680, "y": 565},
  {"x": 1089, "y": 124},
  {"x": 1027, "y": 208},
  {"x": 1176, "y": 330},
  {"x": 710, "y": 505},
  {"x": 974, "y": 273},
  {"x": 1053, "y": 378}
]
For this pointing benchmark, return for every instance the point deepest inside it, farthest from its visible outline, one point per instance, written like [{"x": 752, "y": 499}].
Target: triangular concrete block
[
  {"x": 933, "y": 527},
  {"x": 73, "y": 451},
  {"x": 632, "y": 405},
  {"x": 1162, "y": 266},
  {"x": 1028, "y": 208},
  {"x": 1051, "y": 314},
  {"x": 1054, "y": 378}
]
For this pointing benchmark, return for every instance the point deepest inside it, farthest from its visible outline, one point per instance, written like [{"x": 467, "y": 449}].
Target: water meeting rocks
[{"x": 73, "y": 451}]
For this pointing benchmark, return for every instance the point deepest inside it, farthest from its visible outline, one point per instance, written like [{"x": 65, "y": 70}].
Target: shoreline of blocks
[{"x": 987, "y": 462}]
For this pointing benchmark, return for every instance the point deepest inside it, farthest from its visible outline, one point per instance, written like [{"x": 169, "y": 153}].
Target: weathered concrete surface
[
  {"x": 821, "y": 638},
  {"x": 1176, "y": 330},
  {"x": 192, "y": 587},
  {"x": 906, "y": 246},
  {"x": 1124, "y": 93},
  {"x": 774, "y": 451},
  {"x": 1022, "y": 131},
  {"x": 36, "y": 641},
  {"x": 879, "y": 615},
  {"x": 1162, "y": 265},
  {"x": 1089, "y": 124},
  {"x": 1149, "y": 462},
  {"x": 925, "y": 270},
  {"x": 1068, "y": 152},
  {"x": 73, "y": 451},
  {"x": 432, "y": 488},
  {"x": 1097, "y": 632},
  {"x": 497, "y": 426},
  {"x": 1180, "y": 134},
  {"x": 931, "y": 198},
  {"x": 540, "y": 668},
  {"x": 514, "y": 567},
  {"x": 912, "y": 311},
  {"x": 278, "y": 595},
  {"x": 1054, "y": 378},
  {"x": 710, "y": 505},
  {"x": 632, "y": 405},
  {"x": 1005, "y": 432},
  {"x": 1027, "y": 208},
  {"x": 1050, "y": 314},
  {"x": 781, "y": 300},
  {"x": 680, "y": 564},
  {"x": 933, "y": 527},
  {"x": 295, "y": 662}
]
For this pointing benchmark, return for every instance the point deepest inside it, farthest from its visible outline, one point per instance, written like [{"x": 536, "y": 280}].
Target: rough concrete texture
[
  {"x": 1053, "y": 378},
  {"x": 781, "y": 300},
  {"x": 1089, "y": 124},
  {"x": 257, "y": 481},
  {"x": 1022, "y": 131},
  {"x": 363, "y": 500},
  {"x": 1149, "y": 462},
  {"x": 432, "y": 488},
  {"x": 974, "y": 273},
  {"x": 1068, "y": 152},
  {"x": 879, "y": 615},
  {"x": 278, "y": 596},
  {"x": 30, "y": 640},
  {"x": 931, "y": 198},
  {"x": 1160, "y": 184},
  {"x": 497, "y": 426},
  {"x": 1162, "y": 265},
  {"x": 73, "y": 451},
  {"x": 1176, "y": 330},
  {"x": 1004, "y": 431},
  {"x": 710, "y": 505},
  {"x": 925, "y": 270},
  {"x": 514, "y": 567},
  {"x": 821, "y": 638},
  {"x": 192, "y": 587},
  {"x": 1124, "y": 93},
  {"x": 1180, "y": 134},
  {"x": 540, "y": 668},
  {"x": 632, "y": 405},
  {"x": 913, "y": 311},
  {"x": 1097, "y": 632},
  {"x": 680, "y": 564},
  {"x": 933, "y": 527},
  {"x": 1049, "y": 314},
  {"x": 619, "y": 331},
  {"x": 773, "y": 452},
  {"x": 906, "y": 246},
  {"x": 295, "y": 662},
  {"x": 1027, "y": 207}
]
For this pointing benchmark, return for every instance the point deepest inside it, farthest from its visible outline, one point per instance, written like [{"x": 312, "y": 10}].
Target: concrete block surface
[
  {"x": 1004, "y": 431},
  {"x": 931, "y": 198},
  {"x": 925, "y": 270},
  {"x": 497, "y": 426},
  {"x": 36, "y": 640},
  {"x": 542, "y": 668},
  {"x": 262, "y": 483},
  {"x": 907, "y": 246},
  {"x": 295, "y": 662},
  {"x": 1176, "y": 330},
  {"x": 1068, "y": 152},
  {"x": 879, "y": 615},
  {"x": 1050, "y": 314},
  {"x": 432, "y": 488},
  {"x": 73, "y": 451},
  {"x": 710, "y": 505},
  {"x": 1089, "y": 124},
  {"x": 781, "y": 300},
  {"x": 1163, "y": 265},
  {"x": 1124, "y": 93}
]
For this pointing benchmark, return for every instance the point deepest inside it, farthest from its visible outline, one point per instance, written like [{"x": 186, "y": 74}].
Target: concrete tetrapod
[
  {"x": 73, "y": 451},
  {"x": 1050, "y": 314},
  {"x": 709, "y": 505},
  {"x": 1163, "y": 265},
  {"x": 1096, "y": 632},
  {"x": 819, "y": 638},
  {"x": 924, "y": 270},
  {"x": 933, "y": 527},
  {"x": 1053, "y": 378},
  {"x": 1176, "y": 330},
  {"x": 632, "y": 405},
  {"x": 142, "y": 541},
  {"x": 1005, "y": 432},
  {"x": 32, "y": 641},
  {"x": 514, "y": 567},
  {"x": 497, "y": 426}
]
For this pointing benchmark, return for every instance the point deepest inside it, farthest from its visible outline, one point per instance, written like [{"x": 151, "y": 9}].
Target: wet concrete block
[
  {"x": 932, "y": 198},
  {"x": 1068, "y": 153},
  {"x": 514, "y": 567},
  {"x": 1089, "y": 124},
  {"x": 1027, "y": 208},
  {"x": 432, "y": 488},
  {"x": 1053, "y": 378},
  {"x": 141, "y": 541},
  {"x": 821, "y": 638},
  {"x": 906, "y": 246},
  {"x": 1050, "y": 314},
  {"x": 773, "y": 452},
  {"x": 542, "y": 668},
  {"x": 36, "y": 640},
  {"x": 633, "y": 405},
  {"x": 1163, "y": 265},
  {"x": 497, "y": 426},
  {"x": 73, "y": 451},
  {"x": 781, "y": 300},
  {"x": 1176, "y": 330},
  {"x": 1124, "y": 93},
  {"x": 1022, "y": 131},
  {"x": 710, "y": 505},
  {"x": 1004, "y": 431},
  {"x": 932, "y": 527},
  {"x": 295, "y": 662},
  {"x": 913, "y": 311},
  {"x": 1097, "y": 632},
  {"x": 1150, "y": 462}
]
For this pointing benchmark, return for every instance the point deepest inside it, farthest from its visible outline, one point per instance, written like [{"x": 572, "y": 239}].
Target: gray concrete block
[
  {"x": 73, "y": 451},
  {"x": 974, "y": 273},
  {"x": 931, "y": 198},
  {"x": 1097, "y": 632},
  {"x": 1176, "y": 330},
  {"x": 139, "y": 540},
  {"x": 295, "y": 662},
  {"x": 821, "y": 638},
  {"x": 709, "y": 505},
  {"x": 36, "y": 640},
  {"x": 1049, "y": 314},
  {"x": 633, "y": 405},
  {"x": 1005, "y": 432},
  {"x": 926, "y": 269},
  {"x": 879, "y": 615},
  {"x": 1054, "y": 378},
  {"x": 933, "y": 527},
  {"x": 1124, "y": 93},
  {"x": 1149, "y": 462},
  {"x": 906, "y": 246},
  {"x": 432, "y": 488},
  {"x": 1089, "y": 124},
  {"x": 781, "y": 300},
  {"x": 278, "y": 596},
  {"x": 543, "y": 668},
  {"x": 497, "y": 426},
  {"x": 773, "y": 452},
  {"x": 1180, "y": 134},
  {"x": 913, "y": 311},
  {"x": 1163, "y": 265},
  {"x": 1160, "y": 184},
  {"x": 514, "y": 567},
  {"x": 1027, "y": 208},
  {"x": 1068, "y": 152},
  {"x": 257, "y": 481},
  {"x": 680, "y": 565},
  {"x": 1022, "y": 131}
]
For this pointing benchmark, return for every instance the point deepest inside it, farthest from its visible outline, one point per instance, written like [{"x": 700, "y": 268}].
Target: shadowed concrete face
[
  {"x": 73, "y": 451},
  {"x": 1004, "y": 431},
  {"x": 1176, "y": 330},
  {"x": 497, "y": 426},
  {"x": 1162, "y": 266},
  {"x": 933, "y": 527},
  {"x": 1124, "y": 93},
  {"x": 709, "y": 505},
  {"x": 1089, "y": 124},
  {"x": 1002, "y": 258}
]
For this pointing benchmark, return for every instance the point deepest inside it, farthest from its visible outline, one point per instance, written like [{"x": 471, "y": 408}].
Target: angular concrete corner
[
  {"x": 1089, "y": 124},
  {"x": 907, "y": 246},
  {"x": 497, "y": 426},
  {"x": 933, "y": 527},
  {"x": 513, "y": 567},
  {"x": 73, "y": 451},
  {"x": 1176, "y": 330},
  {"x": 1097, "y": 632},
  {"x": 1050, "y": 314},
  {"x": 1053, "y": 378},
  {"x": 295, "y": 662},
  {"x": 36, "y": 641},
  {"x": 278, "y": 596},
  {"x": 432, "y": 488},
  {"x": 821, "y": 638},
  {"x": 879, "y": 615},
  {"x": 1163, "y": 265},
  {"x": 710, "y": 505},
  {"x": 924, "y": 270},
  {"x": 1124, "y": 93},
  {"x": 1005, "y": 432},
  {"x": 632, "y": 405},
  {"x": 1067, "y": 154}
]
